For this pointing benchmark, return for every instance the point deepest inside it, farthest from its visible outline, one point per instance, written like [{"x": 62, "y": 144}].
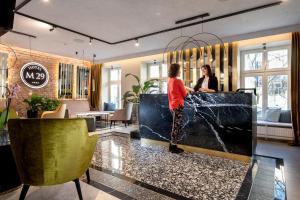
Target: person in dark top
[{"x": 208, "y": 82}]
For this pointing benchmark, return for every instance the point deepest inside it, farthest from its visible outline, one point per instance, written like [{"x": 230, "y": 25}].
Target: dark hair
[
  {"x": 207, "y": 67},
  {"x": 173, "y": 70}
]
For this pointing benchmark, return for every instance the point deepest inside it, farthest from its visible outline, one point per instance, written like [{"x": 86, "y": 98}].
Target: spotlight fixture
[
  {"x": 225, "y": 59},
  {"x": 211, "y": 60},
  {"x": 90, "y": 41},
  {"x": 137, "y": 42},
  {"x": 264, "y": 46},
  {"x": 94, "y": 55},
  {"x": 52, "y": 29}
]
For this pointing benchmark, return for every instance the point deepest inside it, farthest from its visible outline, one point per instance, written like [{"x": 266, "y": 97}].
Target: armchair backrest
[
  {"x": 60, "y": 113},
  {"x": 50, "y": 151}
]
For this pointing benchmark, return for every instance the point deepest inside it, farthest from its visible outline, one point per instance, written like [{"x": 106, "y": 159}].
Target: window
[
  {"x": 158, "y": 71},
  {"x": 65, "y": 82},
  {"x": 3, "y": 74},
  {"x": 278, "y": 91},
  {"x": 82, "y": 89},
  {"x": 112, "y": 86},
  {"x": 253, "y": 61},
  {"x": 269, "y": 72}
]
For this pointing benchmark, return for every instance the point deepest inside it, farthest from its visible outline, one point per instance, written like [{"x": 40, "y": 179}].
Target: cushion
[
  {"x": 272, "y": 114},
  {"x": 285, "y": 116},
  {"x": 274, "y": 124},
  {"x": 109, "y": 106}
]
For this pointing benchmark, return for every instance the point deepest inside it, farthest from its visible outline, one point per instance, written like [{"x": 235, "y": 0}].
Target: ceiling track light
[
  {"x": 264, "y": 46},
  {"x": 52, "y": 29},
  {"x": 137, "y": 42},
  {"x": 90, "y": 43}
]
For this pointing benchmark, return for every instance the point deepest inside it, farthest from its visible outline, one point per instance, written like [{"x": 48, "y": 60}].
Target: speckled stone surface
[{"x": 192, "y": 175}]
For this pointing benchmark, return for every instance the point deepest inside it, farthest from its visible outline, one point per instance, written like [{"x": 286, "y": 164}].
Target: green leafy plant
[
  {"x": 49, "y": 104},
  {"x": 39, "y": 103},
  {"x": 134, "y": 94},
  {"x": 35, "y": 102}
]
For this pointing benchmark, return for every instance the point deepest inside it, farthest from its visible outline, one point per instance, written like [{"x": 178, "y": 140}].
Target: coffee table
[{"x": 106, "y": 114}]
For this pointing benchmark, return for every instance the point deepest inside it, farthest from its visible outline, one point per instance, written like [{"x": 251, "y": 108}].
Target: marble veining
[
  {"x": 192, "y": 175},
  {"x": 218, "y": 121}
]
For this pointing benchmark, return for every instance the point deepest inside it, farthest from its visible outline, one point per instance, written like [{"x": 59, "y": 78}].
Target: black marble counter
[{"x": 218, "y": 121}]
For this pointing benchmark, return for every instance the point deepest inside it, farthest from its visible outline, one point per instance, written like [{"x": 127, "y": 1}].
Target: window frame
[
  {"x": 265, "y": 72},
  {"x": 114, "y": 82},
  {"x": 161, "y": 78}
]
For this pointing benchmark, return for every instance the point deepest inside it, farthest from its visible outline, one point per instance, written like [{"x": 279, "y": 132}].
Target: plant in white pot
[{"x": 133, "y": 95}]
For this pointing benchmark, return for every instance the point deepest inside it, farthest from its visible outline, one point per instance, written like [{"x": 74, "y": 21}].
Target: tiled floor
[
  {"x": 291, "y": 157},
  {"x": 191, "y": 175},
  {"x": 66, "y": 191},
  {"x": 108, "y": 182}
]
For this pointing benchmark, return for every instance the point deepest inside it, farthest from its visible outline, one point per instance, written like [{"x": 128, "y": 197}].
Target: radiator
[{"x": 275, "y": 132}]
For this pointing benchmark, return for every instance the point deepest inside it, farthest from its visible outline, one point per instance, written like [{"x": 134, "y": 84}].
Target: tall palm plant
[{"x": 134, "y": 94}]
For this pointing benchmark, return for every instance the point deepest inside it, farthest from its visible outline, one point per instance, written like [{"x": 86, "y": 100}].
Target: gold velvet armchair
[
  {"x": 58, "y": 113},
  {"x": 51, "y": 151}
]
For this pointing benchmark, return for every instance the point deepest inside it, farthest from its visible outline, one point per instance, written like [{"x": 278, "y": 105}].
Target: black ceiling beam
[
  {"x": 21, "y": 33},
  {"x": 21, "y": 5},
  {"x": 157, "y": 32},
  {"x": 63, "y": 28},
  {"x": 203, "y": 21},
  {"x": 192, "y": 18}
]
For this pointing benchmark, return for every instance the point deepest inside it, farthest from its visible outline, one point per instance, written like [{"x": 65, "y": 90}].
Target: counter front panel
[{"x": 217, "y": 121}]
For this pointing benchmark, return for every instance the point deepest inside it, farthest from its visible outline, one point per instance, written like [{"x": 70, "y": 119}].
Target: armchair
[
  {"x": 58, "y": 113},
  {"x": 51, "y": 151},
  {"x": 123, "y": 115}
]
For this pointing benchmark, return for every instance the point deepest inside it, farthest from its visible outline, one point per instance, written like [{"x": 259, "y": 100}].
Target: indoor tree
[{"x": 145, "y": 88}]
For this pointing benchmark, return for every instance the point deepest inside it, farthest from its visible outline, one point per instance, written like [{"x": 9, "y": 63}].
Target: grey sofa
[{"x": 284, "y": 120}]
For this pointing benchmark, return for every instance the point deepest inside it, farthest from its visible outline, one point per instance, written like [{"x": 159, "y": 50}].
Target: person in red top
[{"x": 176, "y": 95}]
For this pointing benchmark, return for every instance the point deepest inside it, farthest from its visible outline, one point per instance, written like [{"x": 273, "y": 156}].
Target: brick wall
[{"x": 51, "y": 62}]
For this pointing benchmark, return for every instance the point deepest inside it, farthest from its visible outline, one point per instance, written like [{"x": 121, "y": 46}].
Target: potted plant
[
  {"x": 134, "y": 94},
  {"x": 5, "y": 114},
  {"x": 34, "y": 103},
  {"x": 38, "y": 104}
]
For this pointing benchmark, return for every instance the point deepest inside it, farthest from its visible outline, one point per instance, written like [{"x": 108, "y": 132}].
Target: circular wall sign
[{"x": 34, "y": 75}]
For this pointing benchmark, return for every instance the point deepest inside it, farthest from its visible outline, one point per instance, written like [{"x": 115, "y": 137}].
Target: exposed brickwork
[{"x": 51, "y": 62}]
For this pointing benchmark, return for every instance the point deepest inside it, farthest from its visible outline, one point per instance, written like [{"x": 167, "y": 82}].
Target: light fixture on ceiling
[
  {"x": 137, "y": 42},
  {"x": 46, "y": 1},
  {"x": 264, "y": 46},
  {"x": 210, "y": 60},
  {"x": 90, "y": 43},
  {"x": 52, "y": 29}
]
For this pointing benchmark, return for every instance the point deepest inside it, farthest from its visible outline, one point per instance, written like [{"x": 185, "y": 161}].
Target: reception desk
[{"x": 218, "y": 121}]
